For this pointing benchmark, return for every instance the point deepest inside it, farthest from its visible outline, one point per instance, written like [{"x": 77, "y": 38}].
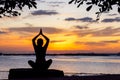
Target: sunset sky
[{"x": 69, "y": 28}]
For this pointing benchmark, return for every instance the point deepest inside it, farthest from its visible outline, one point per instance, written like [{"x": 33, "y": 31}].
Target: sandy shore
[{"x": 91, "y": 77}]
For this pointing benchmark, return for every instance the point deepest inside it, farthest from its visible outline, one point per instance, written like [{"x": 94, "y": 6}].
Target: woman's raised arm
[
  {"x": 46, "y": 38},
  {"x": 33, "y": 40}
]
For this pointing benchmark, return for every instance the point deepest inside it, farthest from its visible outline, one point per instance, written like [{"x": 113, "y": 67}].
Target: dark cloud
[
  {"x": 117, "y": 19},
  {"x": 70, "y": 19},
  {"x": 111, "y": 41},
  {"x": 85, "y": 19},
  {"x": 80, "y": 27},
  {"x": 95, "y": 43},
  {"x": 108, "y": 31},
  {"x": 49, "y": 30},
  {"x": 3, "y": 32},
  {"x": 101, "y": 43},
  {"x": 44, "y": 12},
  {"x": 54, "y": 41},
  {"x": 91, "y": 43}
]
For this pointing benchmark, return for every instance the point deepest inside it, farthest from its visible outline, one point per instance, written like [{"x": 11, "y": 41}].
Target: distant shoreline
[
  {"x": 90, "y": 77},
  {"x": 66, "y": 54}
]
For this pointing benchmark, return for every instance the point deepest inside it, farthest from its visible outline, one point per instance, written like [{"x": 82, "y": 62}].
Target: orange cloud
[{"x": 61, "y": 40}]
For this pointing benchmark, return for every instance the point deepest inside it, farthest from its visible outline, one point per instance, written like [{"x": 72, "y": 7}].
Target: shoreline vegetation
[
  {"x": 90, "y": 77},
  {"x": 93, "y": 77},
  {"x": 63, "y": 54}
]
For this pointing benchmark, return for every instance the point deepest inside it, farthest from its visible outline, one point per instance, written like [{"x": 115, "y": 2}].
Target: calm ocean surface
[{"x": 71, "y": 65}]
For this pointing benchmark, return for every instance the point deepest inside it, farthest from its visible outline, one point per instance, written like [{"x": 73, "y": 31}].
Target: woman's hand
[{"x": 41, "y": 32}]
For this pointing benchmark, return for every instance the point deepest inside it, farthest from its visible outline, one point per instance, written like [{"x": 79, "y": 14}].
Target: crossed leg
[
  {"x": 42, "y": 66},
  {"x": 32, "y": 64},
  {"x": 48, "y": 63}
]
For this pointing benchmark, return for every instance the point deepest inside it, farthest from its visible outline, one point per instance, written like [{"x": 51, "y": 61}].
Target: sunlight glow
[{"x": 69, "y": 28}]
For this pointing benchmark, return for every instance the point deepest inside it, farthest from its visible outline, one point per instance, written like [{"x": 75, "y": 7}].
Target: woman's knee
[
  {"x": 30, "y": 62},
  {"x": 49, "y": 61}
]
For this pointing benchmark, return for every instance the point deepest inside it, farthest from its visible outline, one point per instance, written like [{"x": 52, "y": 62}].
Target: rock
[{"x": 23, "y": 73}]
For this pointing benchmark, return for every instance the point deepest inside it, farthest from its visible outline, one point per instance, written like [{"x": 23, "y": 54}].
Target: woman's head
[{"x": 40, "y": 42}]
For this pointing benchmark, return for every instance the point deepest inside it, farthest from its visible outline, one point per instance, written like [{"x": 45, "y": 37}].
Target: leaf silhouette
[
  {"x": 88, "y": 3},
  {"x": 7, "y": 7},
  {"x": 103, "y": 5},
  {"x": 71, "y": 1},
  {"x": 119, "y": 9},
  {"x": 88, "y": 8},
  {"x": 80, "y": 4}
]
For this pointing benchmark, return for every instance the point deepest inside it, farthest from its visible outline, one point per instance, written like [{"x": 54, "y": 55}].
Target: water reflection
[
  {"x": 88, "y": 64},
  {"x": 69, "y": 64},
  {"x": 88, "y": 59}
]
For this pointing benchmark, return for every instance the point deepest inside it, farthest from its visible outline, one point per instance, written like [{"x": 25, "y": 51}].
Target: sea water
[{"x": 71, "y": 65}]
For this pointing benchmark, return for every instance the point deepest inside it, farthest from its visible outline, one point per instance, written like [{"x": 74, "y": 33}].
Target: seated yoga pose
[{"x": 40, "y": 52}]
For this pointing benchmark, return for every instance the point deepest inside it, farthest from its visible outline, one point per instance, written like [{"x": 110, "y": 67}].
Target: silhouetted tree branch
[
  {"x": 103, "y": 5},
  {"x": 9, "y": 7}
]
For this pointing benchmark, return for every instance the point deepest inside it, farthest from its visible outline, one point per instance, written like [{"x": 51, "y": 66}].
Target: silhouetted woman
[{"x": 40, "y": 51}]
